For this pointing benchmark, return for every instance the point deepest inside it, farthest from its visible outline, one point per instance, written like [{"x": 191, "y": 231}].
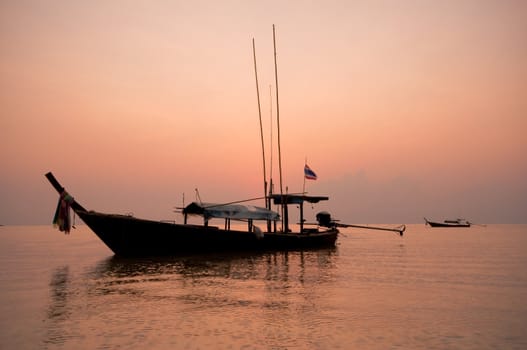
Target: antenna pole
[{"x": 261, "y": 127}]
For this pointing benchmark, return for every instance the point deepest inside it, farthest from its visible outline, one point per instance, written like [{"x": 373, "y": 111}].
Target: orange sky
[{"x": 404, "y": 109}]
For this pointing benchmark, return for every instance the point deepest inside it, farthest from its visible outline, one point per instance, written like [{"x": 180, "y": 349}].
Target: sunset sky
[{"x": 404, "y": 109}]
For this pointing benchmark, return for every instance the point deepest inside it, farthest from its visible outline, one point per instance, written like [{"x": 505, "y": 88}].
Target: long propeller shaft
[{"x": 400, "y": 229}]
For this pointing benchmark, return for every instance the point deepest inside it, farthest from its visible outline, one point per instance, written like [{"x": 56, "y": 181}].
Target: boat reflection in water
[
  {"x": 147, "y": 300},
  {"x": 61, "y": 308},
  {"x": 270, "y": 266}
]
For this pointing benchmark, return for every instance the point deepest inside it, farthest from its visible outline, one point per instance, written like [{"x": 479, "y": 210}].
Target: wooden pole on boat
[
  {"x": 271, "y": 156},
  {"x": 278, "y": 127},
  {"x": 271, "y": 190},
  {"x": 304, "y": 176},
  {"x": 58, "y": 187},
  {"x": 261, "y": 127}
]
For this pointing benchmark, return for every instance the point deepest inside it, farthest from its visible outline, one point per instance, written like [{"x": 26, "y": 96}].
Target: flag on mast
[{"x": 309, "y": 174}]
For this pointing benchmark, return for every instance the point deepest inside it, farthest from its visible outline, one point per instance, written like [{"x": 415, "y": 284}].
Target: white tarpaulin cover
[{"x": 230, "y": 211}]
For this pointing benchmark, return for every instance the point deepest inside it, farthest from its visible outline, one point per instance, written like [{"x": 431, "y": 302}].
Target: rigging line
[
  {"x": 198, "y": 197},
  {"x": 261, "y": 127}
]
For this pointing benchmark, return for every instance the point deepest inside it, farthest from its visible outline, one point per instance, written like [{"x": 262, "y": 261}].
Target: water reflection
[
  {"x": 59, "y": 293},
  {"x": 353, "y": 296},
  {"x": 267, "y": 266},
  {"x": 59, "y": 310},
  {"x": 180, "y": 294},
  {"x": 264, "y": 280}
]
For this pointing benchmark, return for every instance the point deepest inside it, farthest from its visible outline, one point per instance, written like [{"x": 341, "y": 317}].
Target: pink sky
[{"x": 404, "y": 109}]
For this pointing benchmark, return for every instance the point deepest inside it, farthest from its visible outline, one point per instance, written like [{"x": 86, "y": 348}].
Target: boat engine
[{"x": 324, "y": 219}]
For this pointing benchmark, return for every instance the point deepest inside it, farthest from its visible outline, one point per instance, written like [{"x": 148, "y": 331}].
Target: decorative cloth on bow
[{"x": 62, "y": 218}]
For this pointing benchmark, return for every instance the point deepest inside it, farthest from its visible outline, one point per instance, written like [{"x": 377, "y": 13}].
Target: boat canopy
[
  {"x": 296, "y": 198},
  {"x": 230, "y": 211}
]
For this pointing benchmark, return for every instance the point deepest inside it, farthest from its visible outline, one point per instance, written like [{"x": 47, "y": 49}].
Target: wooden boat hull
[
  {"x": 446, "y": 224},
  {"x": 439, "y": 224},
  {"x": 129, "y": 236}
]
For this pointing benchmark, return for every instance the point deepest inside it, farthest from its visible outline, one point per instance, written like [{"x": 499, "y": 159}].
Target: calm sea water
[{"x": 432, "y": 289}]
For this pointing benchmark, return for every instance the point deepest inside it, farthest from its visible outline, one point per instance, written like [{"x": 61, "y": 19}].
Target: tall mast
[
  {"x": 271, "y": 185},
  {"x": 278, "y": 125},
  {"x": 271, "y": 139},
  {"x": 261, "y": 127}
]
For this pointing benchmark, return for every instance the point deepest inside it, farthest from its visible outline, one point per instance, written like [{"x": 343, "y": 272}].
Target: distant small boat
[{"x": 449, "y": 223}]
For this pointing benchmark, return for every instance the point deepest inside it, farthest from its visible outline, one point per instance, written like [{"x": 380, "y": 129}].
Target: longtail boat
[
  {"x": 126, "y": 235},
  {"x": 448, "y": 223}
]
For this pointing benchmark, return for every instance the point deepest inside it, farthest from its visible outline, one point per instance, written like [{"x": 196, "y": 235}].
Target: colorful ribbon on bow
[{"x": 62, "y": 218}]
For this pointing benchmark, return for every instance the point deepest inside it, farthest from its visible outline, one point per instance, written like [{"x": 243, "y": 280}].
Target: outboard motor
[{"x": 324, "y": 219}]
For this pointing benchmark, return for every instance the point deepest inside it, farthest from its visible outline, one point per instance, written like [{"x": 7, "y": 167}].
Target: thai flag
[{"x": 309, "y": 174}]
